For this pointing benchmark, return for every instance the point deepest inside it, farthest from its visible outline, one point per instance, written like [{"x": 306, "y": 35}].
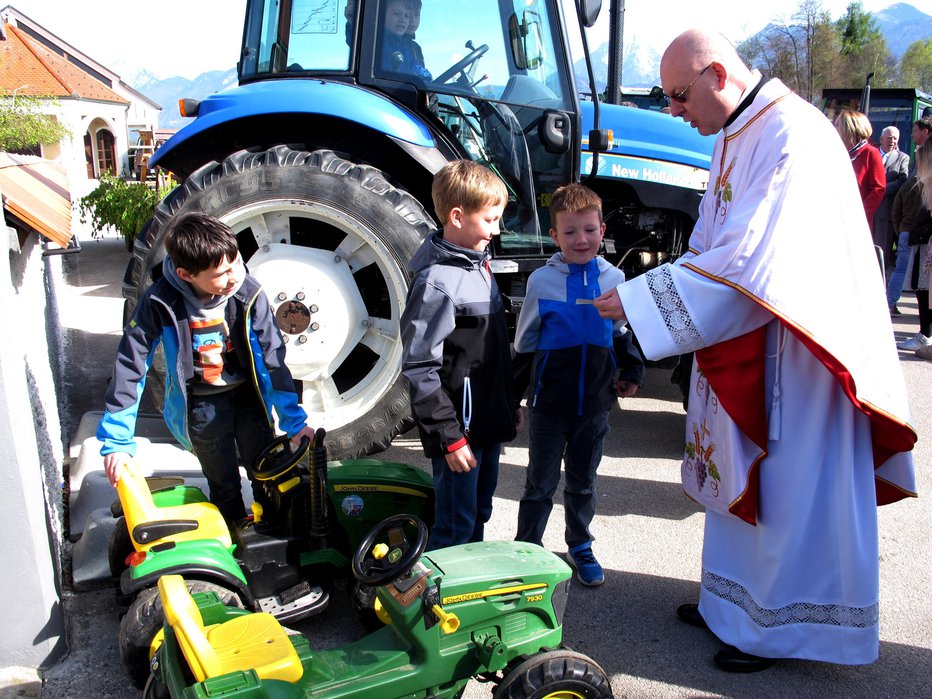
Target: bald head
[{"x": 708, "y": 65}]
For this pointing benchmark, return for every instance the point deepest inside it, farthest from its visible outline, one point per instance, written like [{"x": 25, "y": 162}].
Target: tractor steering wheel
[
  {"x": 400, "y": 556},
  {"x": 461, "y": 65},
  {"x": 279, "y": 457}
]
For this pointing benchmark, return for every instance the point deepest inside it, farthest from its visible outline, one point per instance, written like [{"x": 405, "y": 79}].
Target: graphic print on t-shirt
[{"x": 211, "y": 340}]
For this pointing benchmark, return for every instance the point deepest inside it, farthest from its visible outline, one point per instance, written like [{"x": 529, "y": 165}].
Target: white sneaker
[{"x": 917, "y": 341}]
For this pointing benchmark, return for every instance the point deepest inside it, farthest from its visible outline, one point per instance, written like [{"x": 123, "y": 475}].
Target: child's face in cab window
[{"x": 397, "y": 17}]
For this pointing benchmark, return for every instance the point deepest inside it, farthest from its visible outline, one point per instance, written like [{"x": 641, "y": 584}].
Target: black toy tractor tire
[
  {"x": 155, "y": 689},
  {"x": 346, "y": 235},
  {"x": 555, "y": 674},
  {"x": 145, "y": 618},
  {"x": 119, "y": 547}
]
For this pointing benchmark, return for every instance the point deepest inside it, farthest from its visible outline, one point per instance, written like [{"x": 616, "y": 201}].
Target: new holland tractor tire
[
  {"x": 329, "y": 241},
  {"x": 555, "y": 674},
  {"x": 145, "y": 618}
]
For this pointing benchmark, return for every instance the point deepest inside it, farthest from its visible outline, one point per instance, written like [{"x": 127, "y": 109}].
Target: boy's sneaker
[
  {"x": 588, "y": 570},
  {"x": 924, "y": 352},
  {"x": 917, "y": 341}
]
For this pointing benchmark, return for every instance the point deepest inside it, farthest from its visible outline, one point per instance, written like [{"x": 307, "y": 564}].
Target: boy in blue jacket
[
  {"x": 224, "y": 362},
  {"x": 577, "y": 364}
]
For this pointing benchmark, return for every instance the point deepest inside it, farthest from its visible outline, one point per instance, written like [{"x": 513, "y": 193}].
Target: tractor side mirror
[
  {"x": 589, "y": 11},
  {"x": 526, "y": 40}
]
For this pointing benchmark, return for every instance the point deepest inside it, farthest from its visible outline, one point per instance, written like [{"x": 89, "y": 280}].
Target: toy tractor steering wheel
[
  {"x": 461, "y": 65},
  {"x": 279, "y": 457},
  {"x": 394, "y": 559}
]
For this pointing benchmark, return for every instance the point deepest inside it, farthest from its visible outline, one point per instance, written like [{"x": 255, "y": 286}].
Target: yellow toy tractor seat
[
  {"x": 248, "y": 642},
  {"x": 149, "y": 524}
]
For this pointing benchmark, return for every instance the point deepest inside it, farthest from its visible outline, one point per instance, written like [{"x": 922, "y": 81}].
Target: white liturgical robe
[{"x": 798, "y": 422}]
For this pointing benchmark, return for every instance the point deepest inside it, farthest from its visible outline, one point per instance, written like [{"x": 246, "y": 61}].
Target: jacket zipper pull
[{"x": 467, "y": 405}]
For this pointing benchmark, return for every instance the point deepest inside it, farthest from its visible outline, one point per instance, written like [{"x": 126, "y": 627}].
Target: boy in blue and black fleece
[
  {"x": 224, "y": 362},
  {"x": 577, "y": 364}
]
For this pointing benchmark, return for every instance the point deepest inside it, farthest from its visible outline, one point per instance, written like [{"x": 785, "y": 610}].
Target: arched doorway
[
  {"x": 106, "y": 153},
  {"x": 89, "y": 156}
]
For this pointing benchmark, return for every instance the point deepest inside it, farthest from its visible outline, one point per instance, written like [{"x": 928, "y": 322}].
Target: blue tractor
[{"x": 321, "y": 160}]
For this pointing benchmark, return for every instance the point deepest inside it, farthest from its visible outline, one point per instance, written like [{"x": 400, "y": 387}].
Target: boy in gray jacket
[{"x": 456, "y": 356}]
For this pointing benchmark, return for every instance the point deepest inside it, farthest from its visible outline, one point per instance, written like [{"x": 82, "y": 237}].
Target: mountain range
[{"x": 901, "y": 24}]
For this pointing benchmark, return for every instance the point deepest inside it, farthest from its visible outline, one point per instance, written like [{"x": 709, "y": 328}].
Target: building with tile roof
[{"x": 104, "y": 115}]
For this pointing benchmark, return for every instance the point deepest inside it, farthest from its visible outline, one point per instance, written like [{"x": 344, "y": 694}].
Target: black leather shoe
[
  {"x": 689, "y": 614},
  {"x": 730, "y": 659}
]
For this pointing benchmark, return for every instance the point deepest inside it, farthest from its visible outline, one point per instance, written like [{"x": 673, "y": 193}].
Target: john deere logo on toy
[
  {"x": 453, "y": 599},
  {"x": 394, "y": 555}
]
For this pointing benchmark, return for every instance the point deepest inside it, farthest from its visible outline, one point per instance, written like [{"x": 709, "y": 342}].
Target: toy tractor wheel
[
  {"x": 555, "y": 674},
  {"x": 119, "y": 547},
  {"x": 329, "y": 240},
  {"x": 155, "y": 689},
  {"x": 145, "y": 618}
]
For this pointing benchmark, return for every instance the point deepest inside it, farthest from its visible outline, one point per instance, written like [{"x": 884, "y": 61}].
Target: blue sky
[{"x": 188, "y": 37}]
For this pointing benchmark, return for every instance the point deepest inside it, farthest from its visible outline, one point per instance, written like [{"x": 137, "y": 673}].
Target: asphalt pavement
[{"x": 648, "y": 539}]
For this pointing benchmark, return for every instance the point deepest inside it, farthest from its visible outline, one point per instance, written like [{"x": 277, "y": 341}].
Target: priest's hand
[{"x": 609, "y": 305}]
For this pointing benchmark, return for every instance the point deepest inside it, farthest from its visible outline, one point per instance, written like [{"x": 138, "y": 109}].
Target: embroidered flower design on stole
[
  {"x": 699, "y": 459},
  {"x": 723, "y": 193}
]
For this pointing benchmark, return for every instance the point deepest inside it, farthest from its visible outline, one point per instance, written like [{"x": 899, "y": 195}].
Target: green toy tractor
[
  {"x": 489, "y": 610},
  {"x": 308, "y": 518}
]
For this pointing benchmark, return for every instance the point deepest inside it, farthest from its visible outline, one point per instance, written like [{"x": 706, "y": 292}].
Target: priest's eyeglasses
[{"x": 681, "y": 96}]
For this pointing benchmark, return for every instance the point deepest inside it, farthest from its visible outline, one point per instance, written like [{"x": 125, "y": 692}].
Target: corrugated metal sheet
[{"x": 36, "y": 192}]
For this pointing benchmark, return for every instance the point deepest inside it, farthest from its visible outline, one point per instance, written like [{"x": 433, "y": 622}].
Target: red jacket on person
[{"x": 872, "y": 178}]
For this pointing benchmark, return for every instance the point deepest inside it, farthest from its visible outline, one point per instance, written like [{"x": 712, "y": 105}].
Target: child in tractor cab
[
  {"x": 224, "y": 362},
  {"x": 400, "y": 53},
  {"x": 580, "y": 364},
  {"x": 456, "y": 354}
]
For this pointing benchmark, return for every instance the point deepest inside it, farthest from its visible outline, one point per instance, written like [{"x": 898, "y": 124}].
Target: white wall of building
[{"x": 31, "y": 615}]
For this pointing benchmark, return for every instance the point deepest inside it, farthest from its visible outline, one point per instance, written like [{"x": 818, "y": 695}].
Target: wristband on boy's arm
[{"x": 458, "y": 444}]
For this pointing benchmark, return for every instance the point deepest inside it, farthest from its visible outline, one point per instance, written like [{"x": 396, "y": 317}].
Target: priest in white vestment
[{"x": 798, "y": 422}]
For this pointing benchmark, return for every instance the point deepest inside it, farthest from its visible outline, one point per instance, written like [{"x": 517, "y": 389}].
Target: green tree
[
  {"x": 916, "y": 66},
  {"x": 863, "y": 49},
  {"x": 124, "y": 205},
  {"x": 22, "y": 125},
  {"x": 799, "y": 53}
]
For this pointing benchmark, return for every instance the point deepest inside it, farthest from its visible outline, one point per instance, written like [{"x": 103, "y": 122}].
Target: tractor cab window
[
  {"x": 472, "y": 48},
  {"x": 298, "y": 36},
  {"x": 493, "y": 72}
]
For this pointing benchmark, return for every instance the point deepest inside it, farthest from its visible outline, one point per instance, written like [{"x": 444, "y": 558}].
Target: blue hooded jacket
[{"x": 160, "y": 318}]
